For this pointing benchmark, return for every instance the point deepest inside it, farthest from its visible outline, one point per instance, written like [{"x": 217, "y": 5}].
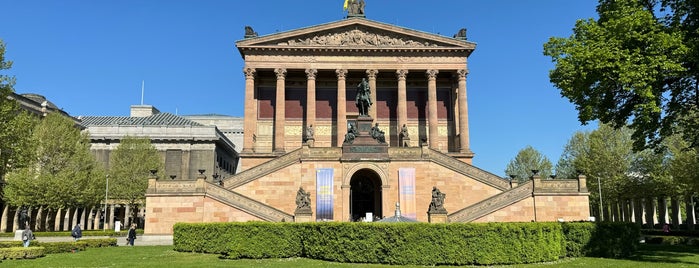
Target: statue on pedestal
[
  {"x": 363, "y": 99},
  {"x": 303, "y": 200},
  {"x": 437, "y": 204}
]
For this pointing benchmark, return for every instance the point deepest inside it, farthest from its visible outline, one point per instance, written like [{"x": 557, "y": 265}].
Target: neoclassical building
[{"x": 303, "y": 133}]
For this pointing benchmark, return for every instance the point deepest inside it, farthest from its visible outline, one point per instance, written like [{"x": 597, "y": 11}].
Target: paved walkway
[{"x": 141, "y": 240}]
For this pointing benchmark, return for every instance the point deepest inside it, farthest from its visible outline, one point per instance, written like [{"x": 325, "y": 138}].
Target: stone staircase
[
  {"x": 251, "y": 206},
  {"x": 493, "y": 203},
  {"x": 265, "y": 168},
  {"x": 460, "y": 167}
]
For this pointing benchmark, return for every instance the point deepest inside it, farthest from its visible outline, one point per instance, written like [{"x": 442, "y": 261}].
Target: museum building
[{"x": 361, "y": 115}]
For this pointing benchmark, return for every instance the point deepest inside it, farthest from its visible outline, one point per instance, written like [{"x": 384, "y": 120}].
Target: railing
[
  {"x": 265, "y": 168},
  {"x": 466, "y": 169},
  {"x": 255, "y": 208},
  {"x": 493, "y": 203}
]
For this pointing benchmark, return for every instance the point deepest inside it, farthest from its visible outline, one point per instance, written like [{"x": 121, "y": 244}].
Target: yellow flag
[{"x": 345, "y": 6}]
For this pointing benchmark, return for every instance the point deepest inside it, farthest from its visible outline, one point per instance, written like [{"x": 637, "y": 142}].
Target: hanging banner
[
  {"x": 324, "y": 194},
  {"x": 406, "y": 184}
]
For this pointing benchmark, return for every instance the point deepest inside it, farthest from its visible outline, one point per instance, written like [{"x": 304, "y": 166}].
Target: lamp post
[
  {"x": 106, "y": 197},
  {"x": 599, "y": 188}
]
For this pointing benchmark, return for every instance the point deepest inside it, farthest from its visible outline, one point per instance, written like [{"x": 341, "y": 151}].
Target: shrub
[
  {"x": 21, "y": 252},
  {"x": 604, "y": 239}
]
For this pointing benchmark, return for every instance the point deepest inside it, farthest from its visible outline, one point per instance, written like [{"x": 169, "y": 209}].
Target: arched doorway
[{"x": 365, "y": 194}]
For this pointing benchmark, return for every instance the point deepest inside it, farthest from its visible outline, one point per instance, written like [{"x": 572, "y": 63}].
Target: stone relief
[{"x": 357, "y": 37}]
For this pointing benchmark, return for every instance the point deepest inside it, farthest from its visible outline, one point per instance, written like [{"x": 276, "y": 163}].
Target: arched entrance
[{"x": 365, "y": 194}]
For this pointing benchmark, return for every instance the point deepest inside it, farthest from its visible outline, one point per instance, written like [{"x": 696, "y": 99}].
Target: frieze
[
  {"x": 357, "y": 37},
  {"x": 335, "y": 58},
  {"x": 293, "y": 130},
  {"x": 557, "y": 186},
  {"x": 323, "y": 130},
  {"x": 443, "y": 130}
]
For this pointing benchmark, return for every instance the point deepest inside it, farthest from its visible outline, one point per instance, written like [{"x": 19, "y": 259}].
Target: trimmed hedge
[
  {"x": 410, "y": 243},
  {"x": 21, "y": 253},
  {"x": 605, "y": 239}
]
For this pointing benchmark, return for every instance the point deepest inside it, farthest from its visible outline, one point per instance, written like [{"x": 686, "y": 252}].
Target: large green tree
[
  {"x": 627, "y": 66},
  {"x": 15, "y": 125},
  {"x": 62, "y": 172},
  {"x": 528, "y": 159},
  {"x": 129, "y": 167}
]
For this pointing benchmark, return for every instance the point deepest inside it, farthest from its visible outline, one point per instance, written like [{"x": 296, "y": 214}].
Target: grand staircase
[{"x": 493, "y": 203}]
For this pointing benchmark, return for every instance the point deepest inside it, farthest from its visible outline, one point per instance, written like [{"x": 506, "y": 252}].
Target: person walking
[
  {"x": 132, "y": 235},
  {"x": 27, "y": 235},
  {"x": 77, "y": 233}
]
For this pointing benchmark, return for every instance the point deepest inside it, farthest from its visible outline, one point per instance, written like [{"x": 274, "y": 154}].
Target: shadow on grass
[{"x": 667, "y": 254}]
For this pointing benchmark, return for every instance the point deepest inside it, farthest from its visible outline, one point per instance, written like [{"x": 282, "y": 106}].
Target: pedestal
[
  {"x": 303, "y": 217},
  {"x": 437, "y": 217}
]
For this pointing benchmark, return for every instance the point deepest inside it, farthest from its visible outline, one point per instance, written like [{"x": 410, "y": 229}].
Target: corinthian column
[
  {"x": 372, "y": 86},
  {"x": 341, "y": 105},
  {"x": 279, "y": 111},
  {"x": 433, "y": 119},
  {"x": 463, "y": 112},
  {"x": 402, "y": 98},
  {"x": 311, "y": 96},
  {"x": 250, "y": 123}
]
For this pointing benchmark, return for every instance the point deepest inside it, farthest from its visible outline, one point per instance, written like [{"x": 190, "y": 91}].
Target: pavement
[{"x": 141, "y": 240}]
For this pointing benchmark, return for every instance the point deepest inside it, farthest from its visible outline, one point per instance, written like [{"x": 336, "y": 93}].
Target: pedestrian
[
  {"x": 132, "y": 235},
  {"x": 27, "y": 235},
  {"x": 77, "y": 233}
]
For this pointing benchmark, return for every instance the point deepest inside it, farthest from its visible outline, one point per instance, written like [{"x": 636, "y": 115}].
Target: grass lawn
[{"x": 164, "y": 256}]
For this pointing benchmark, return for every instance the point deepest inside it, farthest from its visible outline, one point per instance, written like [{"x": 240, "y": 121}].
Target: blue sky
[{"x": 89, "y": 57}]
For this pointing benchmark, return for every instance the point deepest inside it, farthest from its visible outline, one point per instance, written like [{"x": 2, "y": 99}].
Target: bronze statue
[
  {"x": 437, "y": 204},
  {"x": 378, "y": 134},
  {"x": 363, "y": 99},
  {"x": 351, "y": 134},
  {"x": 309, "y": 132},
  {"x": 249, "y": 32},
  {"x": 461, "y": 34}
]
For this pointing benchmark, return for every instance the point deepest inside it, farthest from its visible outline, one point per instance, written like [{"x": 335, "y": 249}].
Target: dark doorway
[{"x": 365, "y": 194}]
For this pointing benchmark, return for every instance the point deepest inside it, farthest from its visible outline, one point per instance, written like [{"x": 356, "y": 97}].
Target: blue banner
[{"x": 324, "y": 194}]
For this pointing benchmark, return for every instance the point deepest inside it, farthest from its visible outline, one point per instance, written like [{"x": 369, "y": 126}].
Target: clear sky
[{"x": 89, "y": 57}]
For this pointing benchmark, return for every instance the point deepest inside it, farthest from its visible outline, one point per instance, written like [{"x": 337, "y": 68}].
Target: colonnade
[
  {"x": 42, "y": 219},
  {"x": 651, "y": 212},
  {"x": 251, "y": 105}
]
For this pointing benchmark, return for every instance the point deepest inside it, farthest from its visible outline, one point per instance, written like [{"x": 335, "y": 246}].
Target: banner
[
  {"x": 324, "y": 194},
  {"x": 406, "y": 193}
]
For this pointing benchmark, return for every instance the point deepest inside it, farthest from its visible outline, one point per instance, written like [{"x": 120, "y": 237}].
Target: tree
[
  {"x": 130, "y": 164},
  {"x": 577, "y": 148},
  {"x": 16, "y": 125},
  {"x": 528, "y": 159},
  {"x": 62, "y": 172},
  {"x": 622, "y": 66}
]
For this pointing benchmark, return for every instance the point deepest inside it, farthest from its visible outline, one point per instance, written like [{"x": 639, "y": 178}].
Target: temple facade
[{"x": 317, "y": 147}]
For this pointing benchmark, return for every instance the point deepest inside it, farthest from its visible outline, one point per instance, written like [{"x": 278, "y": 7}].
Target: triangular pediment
[{"x": 356, "y": 33}]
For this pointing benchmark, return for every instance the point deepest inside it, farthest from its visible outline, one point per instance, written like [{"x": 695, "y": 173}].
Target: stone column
[
  {"x": 75, "y": 219},
  {"x": 38, "y": 223},
  {"x": 463, "y": 113},
  {"x": 675, "y": 215},
  {"x": 89, "y": 224},
  {"x": 311, "y": 96},
  {"x": 372, "y": 86},
  {"x": 110, "y": 218},
  {"x": 250, "y": 120},
  {"x": 341, "y": 105},
  {"x": 402, "y": 97},
  {"x": 638, "y": 211},
  {"x": 433, "y": 119},
  {"x": 57, "y": 220},
  {"x": 691, "y": 217},
  {"x": 66, "y": 220},
  {"x": 662, "y": 210},
  {"x": 96, "y": 221},
  {"x": 127, "y": 214},
  {"x": 15, "y": 222},
  {"x": 280, "y": 110},
  {"x": 3, "y": 219},
  {"x": 650, "y": 213}
]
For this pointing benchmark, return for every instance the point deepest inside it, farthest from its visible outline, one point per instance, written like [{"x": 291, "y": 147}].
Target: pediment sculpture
[{"x": 357, "y": 37}]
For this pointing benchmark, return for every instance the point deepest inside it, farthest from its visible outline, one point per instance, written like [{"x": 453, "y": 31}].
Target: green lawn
[{"x": 164, "y": 256}]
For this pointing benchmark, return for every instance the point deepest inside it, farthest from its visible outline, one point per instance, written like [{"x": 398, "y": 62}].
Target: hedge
[
  {"x": 16, "y": 250},
  {"x": 605, "y": 239},
  {"x": 21, "y": 253}
]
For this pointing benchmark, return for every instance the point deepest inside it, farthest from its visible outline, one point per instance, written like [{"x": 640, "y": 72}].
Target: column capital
[
  {"x": 281, "y": 73},
  {"x": 311, "y": 74},
  {"x": 372, "y": 73},
  {"x": 462, "y": 73},
  {"x": 431, "y": 74},
  {"x": 341, "y": 73},
  {"x": 249, "y": 72},
  {"x": 401, "y": 74}
]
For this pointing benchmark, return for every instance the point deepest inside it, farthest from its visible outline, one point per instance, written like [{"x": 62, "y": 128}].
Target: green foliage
[
  {"x": 604, "y": 239},
  {"x": 630, "y": 66},
  {"x": 22, "y": 253},
  {"x": 129, "y": 167},
  {"x": 63, "y": 173},
  {"x": 401, "y": 244},
  {"x": 529, "y": 159}
]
